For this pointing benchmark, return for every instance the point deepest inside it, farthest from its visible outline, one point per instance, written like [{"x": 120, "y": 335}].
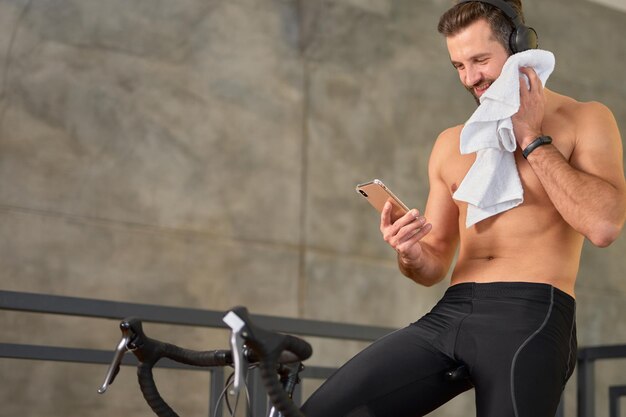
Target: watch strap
[{"x": 540, "y": 141}]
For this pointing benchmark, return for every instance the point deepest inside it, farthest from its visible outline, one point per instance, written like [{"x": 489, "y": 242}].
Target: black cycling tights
[{"x": 518, "y": 341}]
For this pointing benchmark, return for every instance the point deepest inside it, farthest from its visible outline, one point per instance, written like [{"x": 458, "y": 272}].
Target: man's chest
[{"x": 457, "y": 165}]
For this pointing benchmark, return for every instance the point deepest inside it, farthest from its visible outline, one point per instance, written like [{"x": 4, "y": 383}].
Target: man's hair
[{"x": 462, "y": 15}]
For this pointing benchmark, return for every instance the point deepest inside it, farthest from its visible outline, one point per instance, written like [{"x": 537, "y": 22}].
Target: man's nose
[{"x": 472, "y": 76}]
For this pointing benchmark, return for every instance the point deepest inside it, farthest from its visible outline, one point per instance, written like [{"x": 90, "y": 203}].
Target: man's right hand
[{"x": 404, "y": 234}]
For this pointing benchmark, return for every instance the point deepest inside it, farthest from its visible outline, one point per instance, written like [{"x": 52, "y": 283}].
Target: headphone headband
[
  {"x": 502, "y": 5},
  {"x": 523, "y": 37}
]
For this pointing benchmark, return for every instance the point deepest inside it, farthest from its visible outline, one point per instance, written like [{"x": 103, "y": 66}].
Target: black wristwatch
[{"x": 540, "y": 141}]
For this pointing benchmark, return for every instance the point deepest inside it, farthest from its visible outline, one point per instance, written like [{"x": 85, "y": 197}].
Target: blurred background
[{"x": 204, "y": 153}]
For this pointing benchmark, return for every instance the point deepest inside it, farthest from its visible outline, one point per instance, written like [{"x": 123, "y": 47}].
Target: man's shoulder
[
  {"x": 592, "y": 109},
  {"x": 447, "y": 146},
  {"x": 449, "y": 137},
  {"x": 575, "y": 110},
  {"x": 447, "y": 142},
  {"x": 454, "y": 131}
]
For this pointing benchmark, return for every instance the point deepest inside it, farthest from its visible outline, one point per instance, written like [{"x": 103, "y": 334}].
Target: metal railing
[
  {"x": 94, "y": 308},
  {"x": 587, "y": 358},
  {"x": 83, "y": 307},
  {"x": 614, "y": 396}
]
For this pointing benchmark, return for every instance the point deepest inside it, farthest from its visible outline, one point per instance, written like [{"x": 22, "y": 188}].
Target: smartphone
[{"x": 377, "y": 194}]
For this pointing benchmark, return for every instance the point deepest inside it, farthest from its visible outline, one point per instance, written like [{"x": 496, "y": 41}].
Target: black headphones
[{"x": 523, "y": 37}]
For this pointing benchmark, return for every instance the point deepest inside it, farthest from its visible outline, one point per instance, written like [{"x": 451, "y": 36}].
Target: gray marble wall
[{"x": 204, "y": 154}]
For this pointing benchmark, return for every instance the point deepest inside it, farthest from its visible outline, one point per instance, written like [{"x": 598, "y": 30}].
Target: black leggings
[{"x": 517, "y": 340}]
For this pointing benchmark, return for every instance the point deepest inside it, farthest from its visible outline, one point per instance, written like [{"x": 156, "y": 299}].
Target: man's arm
[
  {"x": 426, "y": 249},
  {"x": 589, "y": 190}
]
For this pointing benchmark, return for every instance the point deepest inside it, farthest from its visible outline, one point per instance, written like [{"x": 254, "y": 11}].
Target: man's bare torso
[{"x": 532, "y": 242}]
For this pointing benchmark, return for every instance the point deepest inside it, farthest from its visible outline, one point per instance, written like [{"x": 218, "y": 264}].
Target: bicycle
[{"x": 277, "y": 355}]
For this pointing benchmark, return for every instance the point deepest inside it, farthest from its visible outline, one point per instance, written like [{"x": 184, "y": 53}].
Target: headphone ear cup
[{"x": 523, "y": 38}]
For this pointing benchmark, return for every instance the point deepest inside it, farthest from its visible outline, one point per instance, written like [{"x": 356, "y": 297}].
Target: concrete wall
[{"x": 204, "y": 154}]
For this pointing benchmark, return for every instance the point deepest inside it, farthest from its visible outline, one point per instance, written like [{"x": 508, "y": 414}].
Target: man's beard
[{"x": 470, "y": 89}]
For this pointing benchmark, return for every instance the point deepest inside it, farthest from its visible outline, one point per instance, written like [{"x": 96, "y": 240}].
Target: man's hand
[
  {"x": 527, "y": 121},
  {"x": 405, "y": 233}
]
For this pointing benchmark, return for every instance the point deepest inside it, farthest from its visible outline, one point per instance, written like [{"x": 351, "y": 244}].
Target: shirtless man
[{"x": 508, "y": 318}]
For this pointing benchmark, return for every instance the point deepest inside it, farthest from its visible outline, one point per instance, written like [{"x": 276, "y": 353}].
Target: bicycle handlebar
[
  {"x": 268, "y": 345},
  {"x": 149, "y": 351},
  {"x": 249, "y": 344}
]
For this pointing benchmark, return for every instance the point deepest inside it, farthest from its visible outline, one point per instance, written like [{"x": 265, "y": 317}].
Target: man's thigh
[
  {"x": 397, "y": 376},
  {"x": 520, "y": 356}
]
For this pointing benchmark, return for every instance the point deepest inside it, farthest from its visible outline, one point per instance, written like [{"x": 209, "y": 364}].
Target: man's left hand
[{"x": 527, "y": 121}]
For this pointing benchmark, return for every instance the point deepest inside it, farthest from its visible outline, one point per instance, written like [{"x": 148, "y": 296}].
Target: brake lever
[
  {"x": 237, "y": 326},
  {"x": 120, "y": 350}
]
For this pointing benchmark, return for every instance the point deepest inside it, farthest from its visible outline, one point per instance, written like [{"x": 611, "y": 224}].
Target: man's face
[{"x": 477, "y": 56}]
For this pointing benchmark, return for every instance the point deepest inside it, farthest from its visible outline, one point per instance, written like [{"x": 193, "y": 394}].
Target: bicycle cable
[{"x": 223, "y": 397}]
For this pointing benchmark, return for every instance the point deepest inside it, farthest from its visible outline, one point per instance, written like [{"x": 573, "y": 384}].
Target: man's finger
[{"x": 385, "y": 215}]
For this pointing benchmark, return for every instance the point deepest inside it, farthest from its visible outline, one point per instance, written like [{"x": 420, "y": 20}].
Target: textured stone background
[{"x": 204, "y": 153}]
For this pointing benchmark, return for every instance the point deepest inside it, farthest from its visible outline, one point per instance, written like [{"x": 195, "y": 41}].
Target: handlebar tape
[
  {"x": 149, "y": 351},
  {"x": 274, "y": 388},
  {"x": 152, "y": 351},
  {"x": 151, "y": 393}
]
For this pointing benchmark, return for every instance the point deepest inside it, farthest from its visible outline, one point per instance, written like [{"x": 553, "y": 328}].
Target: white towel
[{"x": 492, "y": 185}]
